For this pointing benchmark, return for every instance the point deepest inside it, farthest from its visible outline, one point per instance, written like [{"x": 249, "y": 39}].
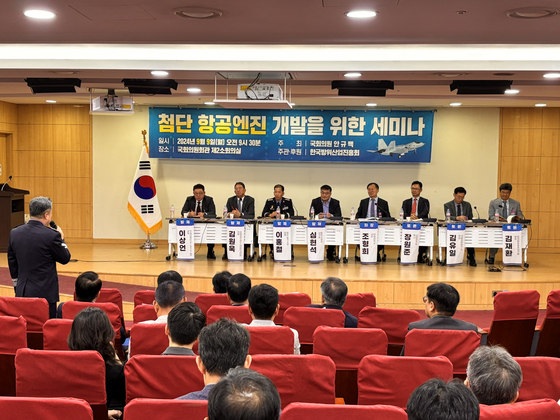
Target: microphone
[
  {"x": 477, "y": 212},
  {"x": 6, "y": 183},
  {"x": 53, "y": 224}
]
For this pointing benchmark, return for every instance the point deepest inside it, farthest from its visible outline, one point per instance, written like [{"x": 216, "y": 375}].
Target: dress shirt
[
  {"x": 269, "y": 323},
  {"x": 372, "y": 207},
  {"x": 326, "y": 206},
  {"x": 160, "y": 320}
]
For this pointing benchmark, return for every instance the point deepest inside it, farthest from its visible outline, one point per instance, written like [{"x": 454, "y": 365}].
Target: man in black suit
[
  {"x": 33, "y": 251},
  {"x": 333, "y": 296},
  {"x": 461, "y": 211},
  {"x": 373, "y": 206},
  {"x": 326, "y": 207},
  {"x": 278, "y": 202},
  {"x": 242, "y": 207},
  {"x": 200, "y": 205},
  {"x": 417, "y": 208}
]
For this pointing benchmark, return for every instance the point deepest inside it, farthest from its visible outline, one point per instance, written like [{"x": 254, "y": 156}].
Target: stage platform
[{"x": 394, "y": 285}]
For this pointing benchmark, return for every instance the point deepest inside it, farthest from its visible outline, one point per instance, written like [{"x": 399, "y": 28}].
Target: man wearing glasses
[{"x": 417, "y": 208}]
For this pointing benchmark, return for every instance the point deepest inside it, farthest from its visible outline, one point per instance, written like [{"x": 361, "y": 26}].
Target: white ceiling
[{"x": 410, "y": 42}]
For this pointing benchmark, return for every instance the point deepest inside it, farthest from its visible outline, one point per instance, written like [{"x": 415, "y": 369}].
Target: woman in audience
[{"x": 92, "y": 330}]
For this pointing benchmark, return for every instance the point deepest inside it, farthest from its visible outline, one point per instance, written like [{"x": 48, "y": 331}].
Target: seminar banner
[{"x": 291, "y": 135}]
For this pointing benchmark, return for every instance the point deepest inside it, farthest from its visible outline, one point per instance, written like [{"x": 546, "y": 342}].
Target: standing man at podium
[{"x": 33, "y": 251}]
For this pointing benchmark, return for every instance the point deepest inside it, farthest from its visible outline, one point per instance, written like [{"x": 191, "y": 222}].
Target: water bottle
[
  {"x": 401, "y": 215},
  {"x": 224, "y": 215},
  {"x": 278, "y": 212},
  {"x": 448, "y": 216},
  {"x": 172, "y": 212},
  {"x": 352, "y": 214},
  {"x": 312, "y": 214},
  {"x": 496, "y": 216}
]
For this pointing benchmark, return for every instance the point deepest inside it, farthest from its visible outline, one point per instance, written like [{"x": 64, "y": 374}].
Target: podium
[{"x": 12, "y": 210}]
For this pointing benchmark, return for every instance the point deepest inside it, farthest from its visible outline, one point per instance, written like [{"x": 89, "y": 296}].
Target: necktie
[
  {"x": 370, "y": 210},
  {"x": 504, "y": 210},
  {"x": 239, "y": 205},
  {"x": 414, "y": 207},
  {"x": 198, "y": 207},
  {"x": 459, "y": 210}
]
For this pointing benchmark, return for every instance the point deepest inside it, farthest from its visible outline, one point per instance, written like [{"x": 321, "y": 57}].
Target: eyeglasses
[{"x": 425, "y": 299}]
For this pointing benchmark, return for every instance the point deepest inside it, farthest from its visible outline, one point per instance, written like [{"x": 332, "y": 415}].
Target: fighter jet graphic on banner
[{"x": 393, "y": 149}]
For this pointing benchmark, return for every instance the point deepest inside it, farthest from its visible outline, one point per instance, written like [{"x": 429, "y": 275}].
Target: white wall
[{"x": 465, "y": 152}]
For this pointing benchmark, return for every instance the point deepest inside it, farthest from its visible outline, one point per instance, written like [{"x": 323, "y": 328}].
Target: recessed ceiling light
[
  {"x": 51, "y": 101},
  {"x": 371, "y": 104},
  {"x": 532, "y": 12},
  {"x": 503, "y": 74},
  {"x": 198, "y": 12},
  {"x": 39, "y": 14},
  {"x": 194, "y": 90},
  {"x": 540, "y": 105},
  {"x": 209, "y": 103},
  {"x": 450, "y": 74},
  {"x": 361, "y": 14},
  {"x": 159, "y": 73},
  {"x": 354, "y": 74},
  {"x": 455, "y": 104},
  {"x": 511, "y": 91},
  {"x": 551, "y": 76}
]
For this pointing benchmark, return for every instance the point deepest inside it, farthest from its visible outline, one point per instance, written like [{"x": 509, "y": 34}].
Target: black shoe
[
  {"x": 331, "y": 257},
  {"x": 491, "y": 260},
  {"x": 211, "y": 255},
  {"x": 379, "y": 259},
  {"x": 472, "y": 263},
  {"x": 224, "y": 257}
]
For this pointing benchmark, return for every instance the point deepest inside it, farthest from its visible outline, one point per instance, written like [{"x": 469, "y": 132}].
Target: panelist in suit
[
  {"x": 242, "y": 207},
  {"x": 278, "y": 202},
  {"x": 33, "y": 251},
  {"x": 505, "y": 207},
  {"x": 200, "y": 205},
  {"x": 326, "y": 207},
  {"x": 461, "y": 210},
  {"x": 417, "y": 208},
  {"x": 373, "y": 206}
]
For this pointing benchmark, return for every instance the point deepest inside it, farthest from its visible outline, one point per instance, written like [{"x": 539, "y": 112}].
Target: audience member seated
[
  {"x": 170, "y": 275},
  {"x": 220, "y": 281},
  {"x": 92, "y": 330},
  {"x": 437, "y": 400},
  {"x": 263, "y": 308},
  {"x": 222, "y": 346},
  {"x": 184, "y": 323},
  {"x": 244, "y": 394},
  {"x": 168, "y": 295},
  {"x": 493, "y": 375},
  {"x": 87, "y": 287},
  {"x": 238, "y": 287},
  {"x": 441, "y": 302},
  {"x": 333, "y": 292}
]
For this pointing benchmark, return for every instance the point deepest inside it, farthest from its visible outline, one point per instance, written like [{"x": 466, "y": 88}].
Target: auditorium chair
[
  {"x": 34, "y": 310},
  {"x": 356, "y": 302},
  {"x": 111, "y": 295},
  {"x": 346, "y": 347},
  {"x": 77, "y": 374},
  {"x": 526, "y": 410},
  {"x": 393, "y": 321},
  {"x": 13, "y": 336},
  {"x": 205, "y": 300},
  {"x": 165, "y": 377},
  {"x": 144, "y": 297},
  {"x": 549, "y": 334},
  {"x": 391, "y": 379},
  {"x": 308, "y": 378},
  {"x": 306, "y": 320},
  {"x": 513, "y": 324},
  {"x": 237, "y": 313},
  {"x": 287, "y": 300},
  {"x": 148, "y": 338},
  {"x": 456, "y": 345},
  {"x": 307, "y": 411},
  {"x": 142, "y": 313},
  {"x": 271, "y": 340},
  {"x": 29, "y": 408},
  {"x": 150, "y": 409},
  {"x": 540, "y": 378},
  {"x": 55, "y": 334}
]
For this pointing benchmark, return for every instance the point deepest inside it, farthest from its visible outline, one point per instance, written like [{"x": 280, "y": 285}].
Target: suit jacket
[
  {"x": 208, "y": 207},
  {"x": 286, "y": 207},
  {"x": 350, "y": 320},
  {"x": 334, "y": 207},
  {"x": 248, "y": 209},
  {"x": 512, "y": 204},
  {"x": 442, "y": 322},
  {"x": 423, "y": 207},
  {"x": 381, "y": 204},
  {"x": 452, "y": 206},
  {"x": 33, "y": 252}
]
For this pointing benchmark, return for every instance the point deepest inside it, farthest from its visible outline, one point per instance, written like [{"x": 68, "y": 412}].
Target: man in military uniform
[{"x": 278, "y": 201}]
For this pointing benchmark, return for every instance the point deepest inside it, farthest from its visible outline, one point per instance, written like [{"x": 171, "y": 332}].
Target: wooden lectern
[{"x": 12, "y": 210}]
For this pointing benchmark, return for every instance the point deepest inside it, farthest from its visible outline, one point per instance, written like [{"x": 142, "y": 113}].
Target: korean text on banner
[
  {"x": 513, "y": 249},
  {"x": 316, "y": 240},
  {"x": 369, "y": 233},
  {"x": 235, "y": 239},
  {"x": 282, "y": 244},
  {"x": 143, "y": 203},
  {"x": 455, "y": 243},
  {"x": 410, "y": 242},
  {"x": 185, "y": 239}
]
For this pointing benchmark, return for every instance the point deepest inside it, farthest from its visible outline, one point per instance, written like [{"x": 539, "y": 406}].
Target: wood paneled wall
[
  {"x": 52, "y": 157},
  {"x": 530, "y": 161},
  {"x": 8, "y": 131}
]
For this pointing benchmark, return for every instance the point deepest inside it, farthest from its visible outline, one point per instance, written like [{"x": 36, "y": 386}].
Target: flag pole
[{"x": 148, "y": 244}]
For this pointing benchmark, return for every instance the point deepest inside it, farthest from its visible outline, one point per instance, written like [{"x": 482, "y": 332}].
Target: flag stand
[{"x": 148, "y": 244}]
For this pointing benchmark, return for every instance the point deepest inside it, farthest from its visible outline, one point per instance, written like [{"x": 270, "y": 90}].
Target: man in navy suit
[
  {"x": 200, "y": 205},
  {"x": 417, "y": 208},
  {"x": 333, "y": 294},
  {"x": 373, "y": 206},
  {"x": 33, "y": 251},
  {"x": 326, "y": 207}
]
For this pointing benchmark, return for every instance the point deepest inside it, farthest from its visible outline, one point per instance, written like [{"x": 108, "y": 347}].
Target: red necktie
[{"x": 414, "y": 207}]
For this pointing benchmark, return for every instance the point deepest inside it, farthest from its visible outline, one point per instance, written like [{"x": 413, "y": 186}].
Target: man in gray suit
[
  {"x": 504, "y": 207},
  {"x": 461, "y": 210}
]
